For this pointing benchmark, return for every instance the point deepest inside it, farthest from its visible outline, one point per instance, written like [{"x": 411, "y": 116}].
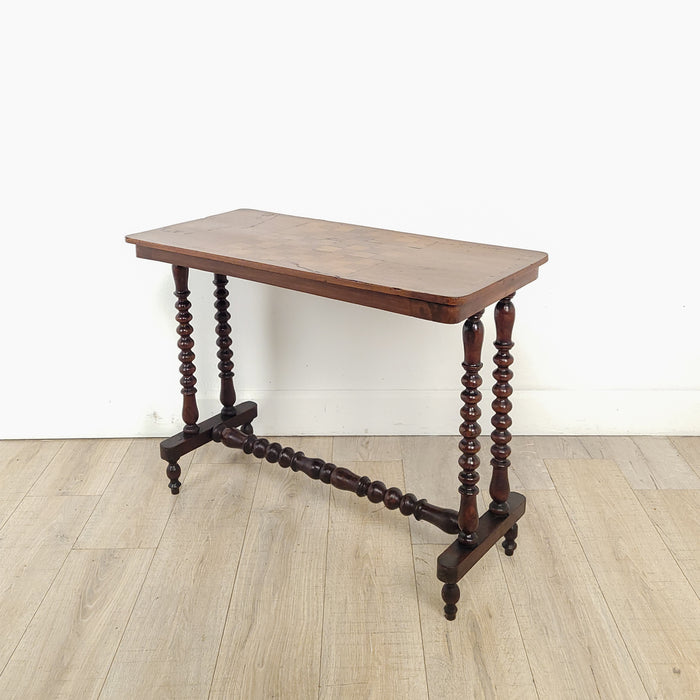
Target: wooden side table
[{"x": 431, "y": 278}]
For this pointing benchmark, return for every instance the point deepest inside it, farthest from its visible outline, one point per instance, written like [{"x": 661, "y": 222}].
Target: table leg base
[
  {"x": 457, "y": 559},
  {"x": 172, "y": 448}
]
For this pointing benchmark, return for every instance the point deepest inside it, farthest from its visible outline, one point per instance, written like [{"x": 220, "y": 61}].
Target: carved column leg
[
  {"x": 501, "y": 421},
  {"x": 223, "y": 330},
  {"x": 190, "y": 413}
]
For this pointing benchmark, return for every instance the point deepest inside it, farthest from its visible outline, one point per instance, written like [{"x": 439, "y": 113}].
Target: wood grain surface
[
  {"x": 439, "y": 279},
  {"x": 276, "y": 606},
  {"x": 252, "y": 586},
  {"x": 654, "y": 606}
]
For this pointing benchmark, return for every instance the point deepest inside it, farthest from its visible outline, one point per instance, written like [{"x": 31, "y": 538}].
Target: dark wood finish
[
  {"x": 173, "y": 472},
  {"x": 509, "y": 543},
  {"x": 457, "y": 559},
  {"x": 190, "y": 413},
  {"x": 174, "y": 447},
  {"x": 473, "y": 339},
  {"x": 433, "y": 278},
  {"x": 399, "y": 305},
  {"x": 227, "y": 395},
  {"x": 501, "y": 421},
  {"x": 407, "y": 504},
  {"x": 422, "y": 276},
  {"x": 450, "y": 594}
]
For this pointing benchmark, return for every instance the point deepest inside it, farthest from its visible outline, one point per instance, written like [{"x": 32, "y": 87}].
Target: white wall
[{"x": 565, "y": 127}]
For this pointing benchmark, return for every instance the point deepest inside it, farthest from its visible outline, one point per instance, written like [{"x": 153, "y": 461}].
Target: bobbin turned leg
[
  {"x": 227, "y": 394},
  {"x": 195, "y": 433},
  {"x": 499, "y": 522},
  {"x": 501, "y": 421},
  {"x": 468, "y": 516},
  {"x": 190, "y": 413}
]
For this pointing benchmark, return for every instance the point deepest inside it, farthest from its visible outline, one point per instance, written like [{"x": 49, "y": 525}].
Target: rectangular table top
[{"x": 434, "y": 278}]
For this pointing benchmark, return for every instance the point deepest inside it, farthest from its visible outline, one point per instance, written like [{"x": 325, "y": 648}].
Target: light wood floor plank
[
  {"x": 654, "y": 606},
  {"x": 431, "y": 470},
  {"x": 34, "y": 543},
  {"x": 8, "y": 504},
  {"x": 559, "y": 447},
  {"x": 68, "y": 647},
  {"x": 366, "y": 448},
  {"x": 628, "y": 457},
  {"x": 170, "y": 645},
  {"x": 468, "y": 658},
  {"x": 81, "y": 468},
  {"x": 276, "y": 610},
  {"x": 133, "y": 512},
  {"x": 676, "y": 515},
  {"x": 573, "y": 645},
  {"x": 528, "y": 471},
  {"x": 21, "y": 463},
  {"x": 669, "y": 470},
  {"x": 599, "y": 591},
  {"x": 689, "y": 449},
  {"x": 371, "y": 633}
]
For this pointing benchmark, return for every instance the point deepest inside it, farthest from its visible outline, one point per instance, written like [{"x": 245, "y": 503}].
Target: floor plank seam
[
  {"x": 415, "y": 585},
  {"x": 44, "y": 470},
  {"x": 12, "y": 512},
  {"x": 325, "y": 579},
  {"x": 31, "y": 486},
  {"x": 41, "y": 602},
  {"x": 92, "y": 512},
  {"x": 517, "y": 621},
  {"x": 126, "y": 624},
  {"x": 603, "y": 596},
  {"x": 663, "y": 539},
  {"x": 233, "y": 583},
  {"x": 116, "y": 469},
  {"x": 136, "y": 600},
  {"x": 619, "y": 615}
]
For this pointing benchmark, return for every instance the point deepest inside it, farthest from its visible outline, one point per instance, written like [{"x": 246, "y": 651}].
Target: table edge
[
  {"x": 311, "y": 275},
  {"x": 442, "y": 310}
]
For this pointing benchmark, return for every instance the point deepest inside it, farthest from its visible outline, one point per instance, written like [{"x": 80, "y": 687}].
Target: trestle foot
[
  {"x": 457, "y": 559},
  {"x": 178, "y": 445}
]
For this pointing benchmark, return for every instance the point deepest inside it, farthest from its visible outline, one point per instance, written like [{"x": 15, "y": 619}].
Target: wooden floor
[{"x": 256, "y": 582}]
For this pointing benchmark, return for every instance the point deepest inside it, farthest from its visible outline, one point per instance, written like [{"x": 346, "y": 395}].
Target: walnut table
[{"x": 435, "y": 279}]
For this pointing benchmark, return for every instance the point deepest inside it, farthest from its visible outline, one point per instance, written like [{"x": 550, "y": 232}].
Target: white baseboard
[
  {"x": 437, "y": 413},
  {"x": 391, "y": 413}
]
